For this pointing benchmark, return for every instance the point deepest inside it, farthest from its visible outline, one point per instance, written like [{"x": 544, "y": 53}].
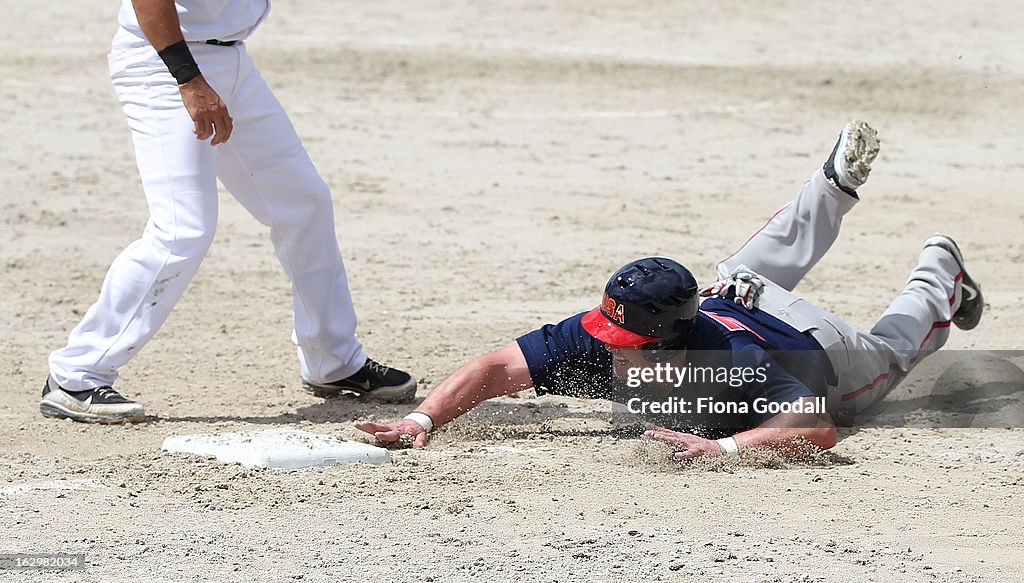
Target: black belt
[{"x": 221, "y": 43}]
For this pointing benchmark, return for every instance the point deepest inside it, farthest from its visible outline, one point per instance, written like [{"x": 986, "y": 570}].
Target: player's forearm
[
  {"x": 159, "y": 22},
  {"x": 491, "y": 375},
  {"x": 788, "y": 434}
]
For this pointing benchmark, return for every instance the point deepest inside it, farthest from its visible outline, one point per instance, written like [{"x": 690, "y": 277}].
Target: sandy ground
[{"x": 491, "y": 163}]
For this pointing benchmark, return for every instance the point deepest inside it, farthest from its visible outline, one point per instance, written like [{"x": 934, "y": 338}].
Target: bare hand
[
  {"x": 207, "y": 110},
  {"x": 393, "y": 432},
  {"x": 686, "y": 445}
]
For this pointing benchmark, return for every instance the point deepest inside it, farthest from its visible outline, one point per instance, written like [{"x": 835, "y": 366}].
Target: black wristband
[{"x": 180, "y": 62}]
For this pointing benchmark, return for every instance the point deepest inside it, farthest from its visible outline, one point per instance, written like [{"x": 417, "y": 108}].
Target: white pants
[
  {"x": 264, "y": 166},
  {"x": 868, "y": 364}
]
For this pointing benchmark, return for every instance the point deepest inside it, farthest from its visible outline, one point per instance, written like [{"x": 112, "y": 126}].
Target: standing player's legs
[
  {"x": 266, "y": 168},
  {"x": 146, "y": 280},
  {"x": 798, "y": 235}
]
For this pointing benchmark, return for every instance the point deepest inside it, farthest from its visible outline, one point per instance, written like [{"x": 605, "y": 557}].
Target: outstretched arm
[
  {"x": 785, "y": 433},
  {"x": 498, "y": 373}
]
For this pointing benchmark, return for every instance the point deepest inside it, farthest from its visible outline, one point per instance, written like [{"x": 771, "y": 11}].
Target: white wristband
[
  {"x": 728, "y": 445},
  {"x": 422, "y": 419}
]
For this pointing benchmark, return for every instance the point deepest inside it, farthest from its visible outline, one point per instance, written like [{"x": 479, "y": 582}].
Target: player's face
[{"x": 625, "y": 358}]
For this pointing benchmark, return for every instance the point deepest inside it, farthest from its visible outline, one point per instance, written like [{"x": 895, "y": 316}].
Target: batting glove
[{"x": 742, "y": 286}]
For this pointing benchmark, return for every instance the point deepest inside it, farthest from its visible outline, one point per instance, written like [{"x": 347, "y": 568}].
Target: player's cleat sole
[
  {"x": 849, "y": 164},
  {"x": 374, "y": 381},
  {"x": 972, "y": 304},
  {"x": 403, "y": 393},
  {"x": 99, "y": 405}
]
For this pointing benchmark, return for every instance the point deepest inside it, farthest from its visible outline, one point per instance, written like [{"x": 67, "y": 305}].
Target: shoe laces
[
  {"x": 104, "y": 392},
  {"x": 377, "y": 367}
]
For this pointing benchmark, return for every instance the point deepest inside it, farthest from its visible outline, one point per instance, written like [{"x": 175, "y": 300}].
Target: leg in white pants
[
  {"x": 266, "y": 168},
  {"x": 870, "y": 364},
  {"x": 264, "y": 165}
]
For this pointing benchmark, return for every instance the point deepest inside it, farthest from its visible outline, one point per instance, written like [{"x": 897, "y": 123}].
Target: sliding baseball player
[{"x": 774, "y": 370}]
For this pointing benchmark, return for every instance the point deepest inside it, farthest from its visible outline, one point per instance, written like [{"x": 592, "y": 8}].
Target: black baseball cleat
[
  {"x": 99, "y": 405},
  {"x": 972, "y": 304},
  {"x": 373, "y": 381},
  {"x": 849, "y": 164}
]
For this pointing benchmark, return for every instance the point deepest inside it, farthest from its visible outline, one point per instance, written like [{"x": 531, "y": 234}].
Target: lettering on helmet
[{"x": 614, "y": 310}]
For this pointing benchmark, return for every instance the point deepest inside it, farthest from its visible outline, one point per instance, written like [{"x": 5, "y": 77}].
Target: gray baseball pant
[{"x": 868, "y": 364}]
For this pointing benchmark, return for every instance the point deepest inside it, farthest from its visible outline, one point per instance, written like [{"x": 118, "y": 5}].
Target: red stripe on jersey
[{"x": 731, "y": 324}]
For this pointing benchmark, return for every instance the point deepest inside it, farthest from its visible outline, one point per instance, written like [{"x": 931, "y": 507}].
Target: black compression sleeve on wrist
[{"x": 180, "y": 62}]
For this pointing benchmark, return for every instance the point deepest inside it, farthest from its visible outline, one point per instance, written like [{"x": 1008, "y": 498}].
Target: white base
[{"x": 277, "y": 448}]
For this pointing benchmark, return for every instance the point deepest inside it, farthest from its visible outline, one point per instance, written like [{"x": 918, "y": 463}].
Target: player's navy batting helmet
[{"x": 650, "y": 300}]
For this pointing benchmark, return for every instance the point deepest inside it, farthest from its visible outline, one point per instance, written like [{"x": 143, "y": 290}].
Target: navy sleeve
[
  {"x": 564, "y": 360},
  {"x": 778, "y": 386}
]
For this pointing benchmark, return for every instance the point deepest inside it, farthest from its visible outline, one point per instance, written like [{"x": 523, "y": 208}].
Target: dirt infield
[{"x": 491, "y": 163}]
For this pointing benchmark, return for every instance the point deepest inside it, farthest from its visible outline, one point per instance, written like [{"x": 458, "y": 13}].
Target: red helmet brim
[{"x": 599, "y": 326}]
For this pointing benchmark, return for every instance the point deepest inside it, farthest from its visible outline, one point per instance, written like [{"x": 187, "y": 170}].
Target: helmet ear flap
[
  {"x": 656, "y": 352},
  {"x": 664, "y": 350}
]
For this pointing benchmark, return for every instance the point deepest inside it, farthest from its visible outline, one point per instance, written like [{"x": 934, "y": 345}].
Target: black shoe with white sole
[
  {"x": 99, "y": 405},
  {"x": 972, "y": 304},
  {"x": 374, "y": 381}
]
